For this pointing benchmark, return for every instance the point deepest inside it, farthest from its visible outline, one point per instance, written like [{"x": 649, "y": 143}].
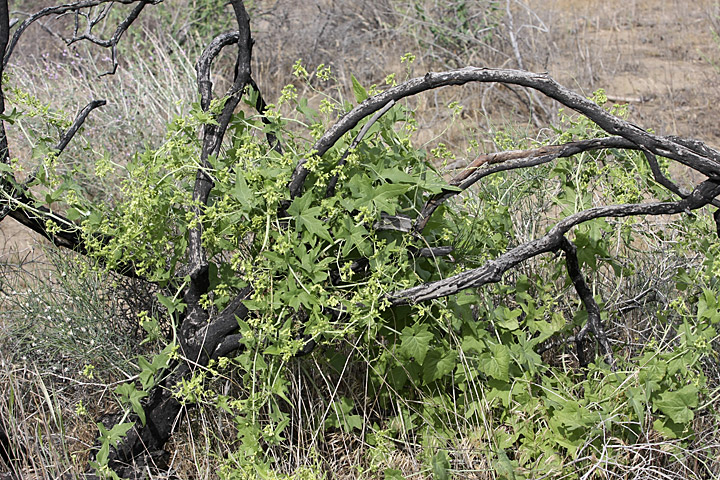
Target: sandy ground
[{"x": 662, "y": 56}]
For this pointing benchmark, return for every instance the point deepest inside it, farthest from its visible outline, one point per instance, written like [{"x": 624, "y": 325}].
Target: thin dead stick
[{"x": 333, "y": 181}]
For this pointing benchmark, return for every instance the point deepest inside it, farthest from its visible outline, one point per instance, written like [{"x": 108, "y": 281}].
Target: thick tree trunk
[{"x": 143, "y": 445}]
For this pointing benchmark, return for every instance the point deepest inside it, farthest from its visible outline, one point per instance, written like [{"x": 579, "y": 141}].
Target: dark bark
[
  {"x": 162, "y": 409},
  {"x": 493, "y": 270},
  {"x": 213, "y": 134},
  {"x": 511, "y": 160},
  {"x": 695, "y": 155},
  {"x": 594, "y": 322}
]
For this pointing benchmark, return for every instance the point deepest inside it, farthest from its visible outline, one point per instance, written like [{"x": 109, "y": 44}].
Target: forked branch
[
  {"x": 511, "y": 160},
  {"x": 493, "y": 270}
]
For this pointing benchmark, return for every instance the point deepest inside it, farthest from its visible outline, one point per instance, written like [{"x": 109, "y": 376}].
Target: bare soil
[{"x": 660, "y": 56}]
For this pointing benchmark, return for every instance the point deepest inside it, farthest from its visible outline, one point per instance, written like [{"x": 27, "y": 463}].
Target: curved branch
[
  {"x": 493, "y": 270},
  {"x": 208, "y": 56},
  {"x": 77, "y": 123},
  {"x": 510, "y": 160},
  {"x": 202, "y": 67},
  {"x": 706, "y": 160}
]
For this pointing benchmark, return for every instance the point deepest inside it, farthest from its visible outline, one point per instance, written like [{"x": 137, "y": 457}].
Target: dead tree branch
[
  {"x": 511, "y": 160},
  {"x": 77, "y": 7},
  {"x": 594, "y": 322},
  {"x": 702, "y": 159},
  {"x": 493, "y": 270}
]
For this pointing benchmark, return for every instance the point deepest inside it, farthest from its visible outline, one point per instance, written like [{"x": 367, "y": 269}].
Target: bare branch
[
  {"x": 665, "y": 181},
  {"x": 432, "y": 252},
  {"x": 662, "y": 179},
  {"x": 112, "y": 42},
  {"x": 77, "y": 123},
  {"x": 594, "y": 321},
  {"x": 493, "y": 270},
  {"x": 60, "y": 10},
  {"x": 226, "y": 321},
  {"x": 510, "y": 160},
  {"x": 202, "y": 68},
  {"x": 203, "y": 64},
  {"x": 227, "y": 345},
  {"x": 704, "y": 160}
]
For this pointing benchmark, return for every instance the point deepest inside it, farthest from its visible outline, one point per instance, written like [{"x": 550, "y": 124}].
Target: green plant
[{"x": 318, "y": 284}]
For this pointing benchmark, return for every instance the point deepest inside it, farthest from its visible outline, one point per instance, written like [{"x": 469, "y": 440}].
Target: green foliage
[
  {"x": 432, "y": 374},
  {"x": 108, "y": 438}
]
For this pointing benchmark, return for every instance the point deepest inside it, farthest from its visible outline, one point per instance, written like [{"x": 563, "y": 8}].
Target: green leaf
[
  {"x": 438, "y": 364},
  {"x": 499, "y": 389},
  {"x": 167, "y": 302},
  {"x": 359, "y": 91},
  {"x": 574, "y": 416},
  {"x": 496, "y": 363},
  {"x": 354, "y": 236},
  {"x": 467, "y": 298},
  {"x": 103, "y": 453},
  {"x": 392, "y": 474},
  {"x": 11, "y": 117},
  {"x": 306, "y": 218},
  {"x": 242, "y": 192},
  {"x": 342, "y": 417},
  {"x": 636, "y": 399},
  {"x": 668, "y": 428},
  {"x": 383, "y": 197},
  {"x": 308, "y": 112},
  {"x": 677, "y": 405},
  {"x": 441, "y": 465},
  {"x": 129, "y": 394},
  {"x": 147, "y": 373},
  {"x": 507, "y": 318},
  {"x": 73, "y": 214},
  {"x": 415, "y": 341},
  {"x": 116, "y": 433},
  {"x": 504, "y": 467},
  {"x": 396, "y": 175}
]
